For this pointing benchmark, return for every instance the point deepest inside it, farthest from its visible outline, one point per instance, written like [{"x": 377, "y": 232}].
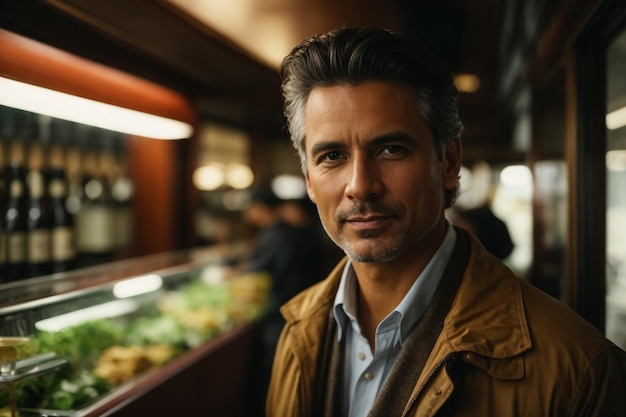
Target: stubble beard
[
  {"x": 371, "y": 246},
  {"x": 369, "y": 249}
]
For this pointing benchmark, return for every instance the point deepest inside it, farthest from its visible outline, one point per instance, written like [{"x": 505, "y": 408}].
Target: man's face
[{"x": 373, "y": 170}]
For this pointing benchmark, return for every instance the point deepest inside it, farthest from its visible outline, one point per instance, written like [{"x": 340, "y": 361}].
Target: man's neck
[
  {"x": 383, "y": 285},
  {"x": 380, "y": 290}
]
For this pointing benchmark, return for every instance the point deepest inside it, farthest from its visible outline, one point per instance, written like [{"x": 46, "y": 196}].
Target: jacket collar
[
  {"x": 486, "y": 323},
  {"x": 487, "y": 316}
]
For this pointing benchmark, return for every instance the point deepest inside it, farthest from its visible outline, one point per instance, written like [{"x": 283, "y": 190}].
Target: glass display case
[{"x": 109, "y": 339}]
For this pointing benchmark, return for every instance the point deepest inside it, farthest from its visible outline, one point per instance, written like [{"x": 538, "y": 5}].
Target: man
[
  {"x": 491, "y": 230},
  {"x": 418, "y": 320}
]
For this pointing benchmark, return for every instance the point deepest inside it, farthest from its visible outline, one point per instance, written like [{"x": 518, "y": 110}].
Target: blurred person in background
[
  {"x": 288, "y": 248},
  {"x": 492, "y": 232},
  {"x": 302, "y": 213},
  {"x": 418, "y": 319},
  {"x": 473, "y": 211}
]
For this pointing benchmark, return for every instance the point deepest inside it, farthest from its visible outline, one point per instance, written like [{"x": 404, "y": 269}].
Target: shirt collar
[{"x": 414, "y": 302}]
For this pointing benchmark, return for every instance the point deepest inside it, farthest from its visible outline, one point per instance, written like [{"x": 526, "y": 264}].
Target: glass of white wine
[{"x": 15, "y": 343}]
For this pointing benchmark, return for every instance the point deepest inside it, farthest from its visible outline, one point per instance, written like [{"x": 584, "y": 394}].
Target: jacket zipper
[{"x": 432, "y": 373}]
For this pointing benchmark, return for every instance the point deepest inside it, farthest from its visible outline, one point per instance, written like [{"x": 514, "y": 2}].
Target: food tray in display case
[{"x": 97, "y": 338}]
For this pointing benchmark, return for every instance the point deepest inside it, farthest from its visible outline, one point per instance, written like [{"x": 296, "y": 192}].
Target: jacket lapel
[{"x": 396, "y": 393}]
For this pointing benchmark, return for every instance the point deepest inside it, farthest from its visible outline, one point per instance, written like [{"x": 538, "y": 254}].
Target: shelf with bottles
[
  {"x": 129, "y": 325},
  {"x": 65, "y": 195}
]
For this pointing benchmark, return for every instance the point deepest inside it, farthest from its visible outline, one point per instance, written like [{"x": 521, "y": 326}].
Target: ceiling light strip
[{"x": 79, "y": 84}]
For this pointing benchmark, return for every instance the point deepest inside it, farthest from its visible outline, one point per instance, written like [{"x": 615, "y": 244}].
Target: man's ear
[
  {"x": 452, "y": 164},
  {"x": 309, "y": 189}
]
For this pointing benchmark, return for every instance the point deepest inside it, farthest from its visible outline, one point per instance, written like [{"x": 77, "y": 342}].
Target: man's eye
[
  {"x": 392, "y": 149},
  {"x": 330, "y": 156}
]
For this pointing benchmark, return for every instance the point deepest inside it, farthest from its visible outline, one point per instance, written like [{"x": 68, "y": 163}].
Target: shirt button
[
  {"x": 362, "y": 356},
  {"x": 369, "y": 376}
]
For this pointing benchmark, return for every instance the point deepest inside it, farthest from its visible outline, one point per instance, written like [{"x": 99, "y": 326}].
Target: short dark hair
[{"x": 351, "y": 56}]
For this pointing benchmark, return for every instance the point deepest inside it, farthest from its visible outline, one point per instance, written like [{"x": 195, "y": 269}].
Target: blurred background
[{"x": 542, "y": 96}]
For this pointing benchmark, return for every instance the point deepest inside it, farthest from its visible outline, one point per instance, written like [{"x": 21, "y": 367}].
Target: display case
[{"x": 166, "y": 334}]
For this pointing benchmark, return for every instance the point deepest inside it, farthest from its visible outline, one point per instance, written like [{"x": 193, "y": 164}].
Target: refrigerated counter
[{"x": 166, "y": 334}]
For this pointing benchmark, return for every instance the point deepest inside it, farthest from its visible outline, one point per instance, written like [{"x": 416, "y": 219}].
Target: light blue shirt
[{"x": 364, "y": 372}]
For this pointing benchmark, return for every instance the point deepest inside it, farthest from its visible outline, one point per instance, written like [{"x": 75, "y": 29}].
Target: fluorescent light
[
  {"x": 239, "y": 176},
  {"x": 81, "y": 110},
  {"x": 209, "y": 177},
  {"x": 213, "y": 175},
  {"x": 616, "y": 119},
  {"x": 516, "y": 176},
  {"x": 103, "y": 311},
  {"x": 289, "y": 187},
  {"x": 137, "y": 286}
]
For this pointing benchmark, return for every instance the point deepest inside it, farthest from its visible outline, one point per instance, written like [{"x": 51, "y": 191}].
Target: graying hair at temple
[{"x": 351, "y": 56}]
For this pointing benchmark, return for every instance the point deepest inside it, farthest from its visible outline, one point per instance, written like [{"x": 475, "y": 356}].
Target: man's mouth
[{"x": 367, "y": 222}]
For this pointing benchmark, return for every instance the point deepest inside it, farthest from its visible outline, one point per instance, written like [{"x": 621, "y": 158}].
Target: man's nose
[{"x": 365, "y": 182}]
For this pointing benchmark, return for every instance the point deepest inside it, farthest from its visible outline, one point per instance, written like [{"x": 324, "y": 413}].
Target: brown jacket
[{"x": 506, "y": 349}]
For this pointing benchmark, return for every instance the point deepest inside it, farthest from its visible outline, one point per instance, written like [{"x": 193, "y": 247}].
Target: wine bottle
[
  {"x": 62, "y": 207},
  {"x": 15, "y": 211},
  {"x": 38, "y": 220},
  {"x": 94, "y": 224},
  {"x": 63, "y": 247},
  {"x": 14, "y": 219},
  {"x": 38, "y": 227}
]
